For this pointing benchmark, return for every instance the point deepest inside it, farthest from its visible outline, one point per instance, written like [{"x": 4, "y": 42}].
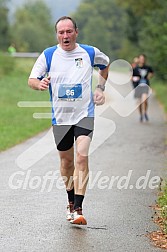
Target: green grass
[
  {"x": 162, "y": 202},
  {"x": 161, "y": 92},
  {"x": 17, "y": 124},
  {"x": 160, "y": 89}
]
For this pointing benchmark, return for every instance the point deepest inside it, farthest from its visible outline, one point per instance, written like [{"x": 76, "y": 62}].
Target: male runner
[
  {"x": 142, "y": 73},
  {"x": 69, "y": 69}
]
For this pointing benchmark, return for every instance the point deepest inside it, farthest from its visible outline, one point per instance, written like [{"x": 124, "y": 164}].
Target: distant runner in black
[
  {"x": 142, "y": 73},
  {"x": 134, "y": 64}
]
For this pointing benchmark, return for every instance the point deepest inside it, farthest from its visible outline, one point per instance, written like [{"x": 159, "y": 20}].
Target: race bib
[{"x": 70, "y": 92}]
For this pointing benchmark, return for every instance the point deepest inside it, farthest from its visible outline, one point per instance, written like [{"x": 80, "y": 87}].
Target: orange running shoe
[{"x": 77, "y": 217}]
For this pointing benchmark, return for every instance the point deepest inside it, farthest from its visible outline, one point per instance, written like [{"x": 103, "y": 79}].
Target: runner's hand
[
  {"x": 99, "y": 97},
  {"x": 44, "y": 83}
]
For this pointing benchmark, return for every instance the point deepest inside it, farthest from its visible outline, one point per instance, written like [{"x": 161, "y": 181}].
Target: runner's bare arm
[
  {"x": 103, "y": 75},
  {"x": 150, "y": 75},
  {"x": 39, "y": 84},
  {"x": 99, "y": 97}
]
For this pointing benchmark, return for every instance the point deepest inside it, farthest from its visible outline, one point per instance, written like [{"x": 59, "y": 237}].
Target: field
[{"x": 18, "y": 124}]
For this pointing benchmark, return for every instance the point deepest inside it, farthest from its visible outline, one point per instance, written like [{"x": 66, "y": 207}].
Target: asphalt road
[{"x": 117, "y": 210}]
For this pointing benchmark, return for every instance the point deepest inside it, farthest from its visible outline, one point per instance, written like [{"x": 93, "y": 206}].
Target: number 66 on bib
[{"x": 70, "y": 92}]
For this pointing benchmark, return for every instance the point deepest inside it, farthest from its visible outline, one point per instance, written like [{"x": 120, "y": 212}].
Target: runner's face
[{"x": 66, "y": 35}]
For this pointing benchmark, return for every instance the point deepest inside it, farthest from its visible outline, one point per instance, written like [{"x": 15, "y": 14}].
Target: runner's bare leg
[
  {"x": 145, "y": 102},
  {"x": 81, "y": 171},
  {"x": 67, "y": 167}
]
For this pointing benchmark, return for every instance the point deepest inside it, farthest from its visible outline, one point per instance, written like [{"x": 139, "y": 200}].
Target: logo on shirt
[
  {"x": 79, "y": 62},
  {"x": 143, "y": 72}
]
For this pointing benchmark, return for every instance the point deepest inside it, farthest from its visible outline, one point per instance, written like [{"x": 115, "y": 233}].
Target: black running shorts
[
  {"x": 140, "y": 90},
  {"x": 65, "y": 134}
]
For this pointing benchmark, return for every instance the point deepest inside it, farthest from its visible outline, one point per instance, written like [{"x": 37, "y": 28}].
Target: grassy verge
[
  {"x": 159, "y": 238},
  {"x": 18, "y": 124},
  {"x": 162, "y": 202},
  {"x": 161, "y": 92}
]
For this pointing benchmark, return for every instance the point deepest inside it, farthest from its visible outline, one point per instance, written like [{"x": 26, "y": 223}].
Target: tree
[
  {"x": 100, "y": 24},
  {"x": 146, "y": 31},
  {"x": 32, "y": 27},
  {"x": 153, "y": 40},
  {"x": 91, "y": 30},
  {"x": 123, "y": 29},
  {"x": 4, "y": 25}
]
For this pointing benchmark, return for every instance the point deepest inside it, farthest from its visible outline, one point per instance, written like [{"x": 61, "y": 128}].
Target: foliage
[
  {"x": 147, "y": 29},
  {"x": 123, "y": 29},
  {"x": 153, "y": 41},
  {"x": 4, "y": 25},
  {"x": 100, "y": 25},
  {"x": 32, "y": 27}
]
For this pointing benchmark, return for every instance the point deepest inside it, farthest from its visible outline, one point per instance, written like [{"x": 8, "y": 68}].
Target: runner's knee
[
  {"x": 81, "y": 161},
  {"x": 67, "y": 161}
]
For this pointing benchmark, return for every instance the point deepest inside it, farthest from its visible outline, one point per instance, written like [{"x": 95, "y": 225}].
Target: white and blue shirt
[{"x": 71, "y": 80}]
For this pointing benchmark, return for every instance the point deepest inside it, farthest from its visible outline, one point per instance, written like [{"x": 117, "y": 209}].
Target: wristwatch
[{"x": 102, "y": 87}]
